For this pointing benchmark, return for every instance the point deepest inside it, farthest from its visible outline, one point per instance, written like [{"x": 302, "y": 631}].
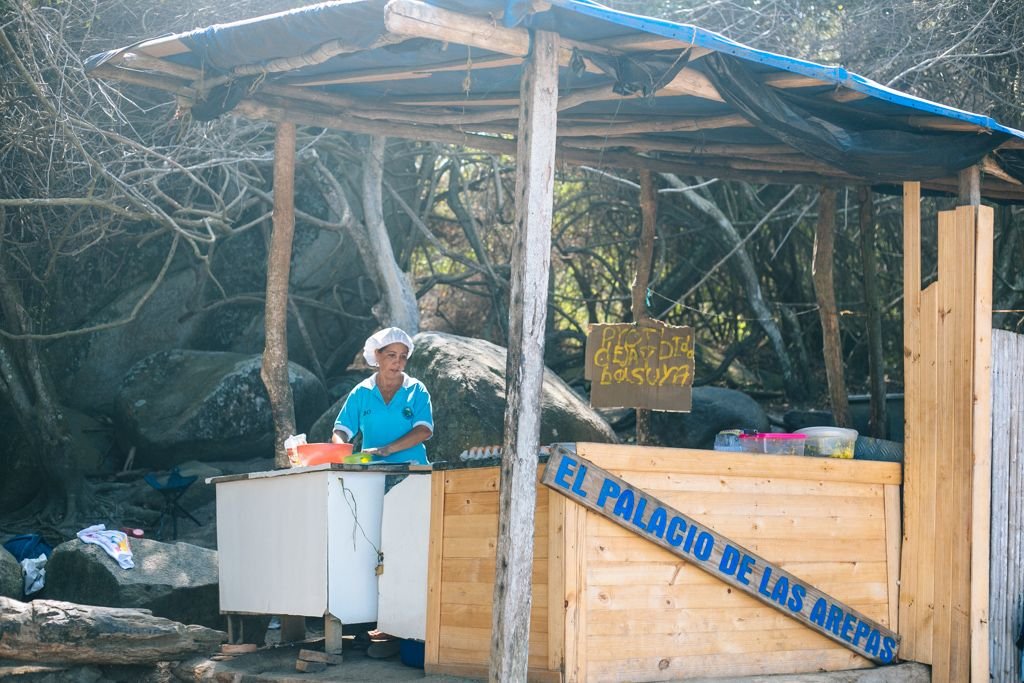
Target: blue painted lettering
[
  {"x": 746, "y": 565},
  {"x": 861, "y": 631},
  {"x": 848, "y": 624},
  {"x": 688, "y": 543},
  {"x": 874, "y": 641},
  {"x": 705, "y": 544},
  {"x": 818, "y": 612},
  {"x": 834, "y": 620},
  {"x": 565, "y": 468},
  {"x": 624, "y": 505},
  {"x": 765, "y": 580},
  {"x": 641, "y": 506},
  {"x": 577, "y": 484},
  {"x": 657, "y": 523},
  {"x": 674, "y": 535},
  {"x": 609, "y": 489},
  {"x": 888, "y": 650},
  {"x": 730, "y": 560},
  {"x": 796, "y": 600},
  {"x": 780, "y": 592}
]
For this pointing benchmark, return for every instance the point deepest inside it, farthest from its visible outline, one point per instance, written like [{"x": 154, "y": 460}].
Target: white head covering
[{"x": 378, "y": 340}]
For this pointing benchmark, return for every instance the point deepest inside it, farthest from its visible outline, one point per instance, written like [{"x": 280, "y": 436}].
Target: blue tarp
[{"x": 871, "y": 138}]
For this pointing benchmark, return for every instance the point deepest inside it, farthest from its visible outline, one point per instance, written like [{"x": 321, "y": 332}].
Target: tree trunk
[
  {"x": 274, "y": 370},
  {"x": 824, "y": 292},
  {"x": 496, "y": 285},
  {"x": 644, "y": 257},
  {"x": 876, "y": 361},
  {"x": 400, "y": 307},
  {"x": 26, "y": 384},
  {"x": 531, "y": 258},
  {"x": 63, "y": 632},
  {"x": 751, "y": 285}
]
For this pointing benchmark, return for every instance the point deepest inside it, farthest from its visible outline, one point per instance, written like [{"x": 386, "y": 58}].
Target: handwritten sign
[
  {"x": 640, "y": 367},
  {"x": 592, "y": 487}
]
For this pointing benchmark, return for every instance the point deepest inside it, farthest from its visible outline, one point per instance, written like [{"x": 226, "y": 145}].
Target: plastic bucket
[
  {"x": 321, "y": 453},
  {"x": 410, "y": 652}
]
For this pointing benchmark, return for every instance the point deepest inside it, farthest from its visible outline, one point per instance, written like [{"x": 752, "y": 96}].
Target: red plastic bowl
[{"x": 320, "y": 453}]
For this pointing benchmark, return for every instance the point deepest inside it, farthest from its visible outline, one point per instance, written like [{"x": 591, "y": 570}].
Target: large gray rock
[
  {"x": 11, "y": 582},
  {"x": 95, "y": 363},
  {"x": 466, "y": 380},
  {"x": 203, "y": 405},
  {"x": 176, "y": 581},
  {"x": 714, "y": 409}
]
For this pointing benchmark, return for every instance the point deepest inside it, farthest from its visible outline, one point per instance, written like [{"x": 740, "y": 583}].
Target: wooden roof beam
[
  {"x": 415, "y": 18},
  {"x": 945, "y": 123},
  {"x": 404, "y": 73}
]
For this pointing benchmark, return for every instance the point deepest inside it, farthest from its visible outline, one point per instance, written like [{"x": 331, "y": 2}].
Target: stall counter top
[{"x": 383, "y": 468}]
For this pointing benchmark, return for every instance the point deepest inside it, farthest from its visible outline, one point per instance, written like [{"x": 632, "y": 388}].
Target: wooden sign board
[
  {"x": 632, "y": 366},
  {"x": 596, "y": 489}
]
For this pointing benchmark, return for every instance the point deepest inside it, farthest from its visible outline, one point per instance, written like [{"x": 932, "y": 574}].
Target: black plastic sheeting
[{"x": 857, "y": 142}]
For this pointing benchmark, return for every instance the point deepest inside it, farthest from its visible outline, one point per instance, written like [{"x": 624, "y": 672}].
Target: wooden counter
[{"x": 611, "y": 606}]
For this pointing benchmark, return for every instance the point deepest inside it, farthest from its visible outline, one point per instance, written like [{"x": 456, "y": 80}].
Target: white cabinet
[
  {"x": 405, "y": 537},
  {"x": 300, "y": 542}
]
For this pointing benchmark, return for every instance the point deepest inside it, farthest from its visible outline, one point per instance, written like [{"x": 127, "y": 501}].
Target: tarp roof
[{"x": 634, "y": 92}]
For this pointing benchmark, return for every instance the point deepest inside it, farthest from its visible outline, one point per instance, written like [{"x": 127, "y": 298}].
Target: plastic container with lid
[
  {"x": 728, "y": 440},
  {"x": 782, "y": 444},
  {"x": 751, "y": 443},
  {"x": 832, "y": 442}
]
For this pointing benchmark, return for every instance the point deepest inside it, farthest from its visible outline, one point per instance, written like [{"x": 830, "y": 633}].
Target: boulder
[
  {"x": 466, "y": 380},
  {"x": 177, "y": 581},
  {"x": 95, "y": 363},
  {"x": 51, "y": 631},
  {"x": 12, "y": 584},
  {"x": 713, "y": 410},
  {"x": 205, "y": 405}
]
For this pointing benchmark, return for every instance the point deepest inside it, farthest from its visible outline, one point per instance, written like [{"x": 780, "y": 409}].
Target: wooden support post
[
  {"x": 970, "y": 186},
  {"x": 876, "y": 359},
  {"x": 911, "y": 594},
  {"x": 1006, "y": 595},
  {"x": 981, "y": 444},
  {"x": 535, "y": 170},
  {"x": 824, "y": 290},
  {"x": 644, "y": 257},
  {"x": 274, "y": 370},
  {"x": 293, "y": 628},
  {"x": 332, "y": 634}
]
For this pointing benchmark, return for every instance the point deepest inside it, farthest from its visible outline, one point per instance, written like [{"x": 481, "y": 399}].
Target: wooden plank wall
[
  {"x": 946, "y": 333},
  {"x": 461, "y": 576},
  {"x": 650, "y": 616},
  {"x": 1006, "y": 604}
]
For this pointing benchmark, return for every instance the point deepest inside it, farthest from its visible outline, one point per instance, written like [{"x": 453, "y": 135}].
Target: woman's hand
[{"x": 336, "y": 437}]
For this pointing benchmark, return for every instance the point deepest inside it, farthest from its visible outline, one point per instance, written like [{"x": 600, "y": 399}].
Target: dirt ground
[{"x": 276, "y": 664}]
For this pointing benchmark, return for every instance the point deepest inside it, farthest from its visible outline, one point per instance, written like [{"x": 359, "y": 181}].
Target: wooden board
[
  {"x": 434, "y": 558},
  {"x": 635, "y": 366},
  {"x": 462, "y": 570},
  {"x": 912, "y": 454},
  {"x": 634, "y": 592},
  {"x": 981, "y": 446},
  {"x": 1006, "y": 602},
  {"x": 620, "y": 458},
  {"x": 943, "y": 583},
  {"x": 740, "y": 567}
]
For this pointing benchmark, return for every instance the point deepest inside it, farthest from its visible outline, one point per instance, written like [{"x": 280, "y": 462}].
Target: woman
[{"x": 390, "y": 408}]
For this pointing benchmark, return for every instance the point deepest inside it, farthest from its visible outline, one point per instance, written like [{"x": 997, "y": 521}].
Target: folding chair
[{"x": 172, "y": 487}]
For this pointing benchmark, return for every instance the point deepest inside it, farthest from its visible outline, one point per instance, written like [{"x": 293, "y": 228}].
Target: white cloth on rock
[{"x": 115, "y": 543}]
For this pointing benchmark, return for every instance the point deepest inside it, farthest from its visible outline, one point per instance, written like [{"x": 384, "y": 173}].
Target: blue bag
[{"x": 28, "y": 546}]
